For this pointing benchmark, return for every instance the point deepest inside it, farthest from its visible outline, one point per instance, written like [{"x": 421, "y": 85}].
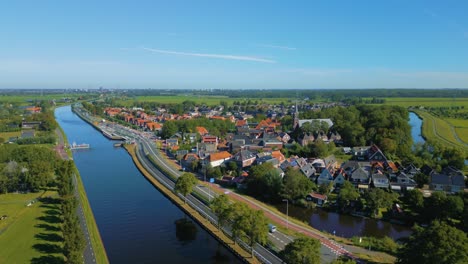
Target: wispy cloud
[
  {"x": 276, "y": 47},
  {"x": 450, "y": 22},
  {"x": 318, "y": 72},
  {"x": 210, "y": 55}
]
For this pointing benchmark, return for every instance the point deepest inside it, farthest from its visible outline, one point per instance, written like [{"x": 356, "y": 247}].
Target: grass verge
[{"x": 95, "y": 237}]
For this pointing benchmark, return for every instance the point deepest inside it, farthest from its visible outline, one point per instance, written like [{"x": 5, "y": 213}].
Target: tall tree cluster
[
  {"x": 386, "y": 126},
  {"x": 74, "y": 242},
  {"x": 247, "y": 224},
  {"x": 26, "y": 167}
]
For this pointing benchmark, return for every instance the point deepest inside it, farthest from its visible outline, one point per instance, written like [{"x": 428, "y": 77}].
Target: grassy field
[
  {"x": 438, "y": 129},
  {"x": 427, "y": 102},
  {"x": 209, "y": 100},
  {"x": 461, "y": 128},
  {"x": 30, "y": 234},
  {"x": 8, "y": 135},
  {"x": 32, "y": 97}
]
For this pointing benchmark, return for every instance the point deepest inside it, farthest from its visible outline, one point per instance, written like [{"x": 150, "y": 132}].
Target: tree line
[{"x": 74, "y": 241}]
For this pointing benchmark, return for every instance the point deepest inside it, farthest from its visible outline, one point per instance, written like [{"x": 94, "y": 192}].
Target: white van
[{"x": 271, "y": 228}]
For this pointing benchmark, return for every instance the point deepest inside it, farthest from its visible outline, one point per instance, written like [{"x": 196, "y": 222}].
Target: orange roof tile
[
  {"x": 220, "y": 155},
  {"x": 201, "y": 130},
  {"x": 278, "y": 155}
]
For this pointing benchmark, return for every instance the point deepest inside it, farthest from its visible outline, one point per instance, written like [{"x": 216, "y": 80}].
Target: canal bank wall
[{"x": 207, "y": 225}]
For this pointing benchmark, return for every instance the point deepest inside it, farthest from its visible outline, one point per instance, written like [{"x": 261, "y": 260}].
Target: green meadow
[
  {"x": 30, "y": 234},
  {"x": 208, "y": 100}
]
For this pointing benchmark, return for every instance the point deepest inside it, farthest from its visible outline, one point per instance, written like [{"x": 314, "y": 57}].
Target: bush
[{"x": 385, "y": 244}]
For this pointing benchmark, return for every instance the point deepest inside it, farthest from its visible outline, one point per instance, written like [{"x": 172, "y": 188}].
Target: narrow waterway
[
  {"x": 416, "y": 128},
  {"x": 346, "y": 225},
  {"x": 349, "y": 226},
  {"x": 137, "y": 223}
]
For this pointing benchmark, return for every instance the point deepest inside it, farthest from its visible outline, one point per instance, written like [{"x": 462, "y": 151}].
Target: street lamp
[{"x": 287, "y": 212}]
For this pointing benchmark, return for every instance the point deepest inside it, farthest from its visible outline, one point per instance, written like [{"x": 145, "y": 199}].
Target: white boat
[{"x": 79, "y": 146}]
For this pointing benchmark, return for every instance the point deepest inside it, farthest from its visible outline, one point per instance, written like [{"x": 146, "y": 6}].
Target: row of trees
[
  {"x": 74, "y": 242},
  {"x": 336, "y": 94},
  {"x": 245, "y": 223}
]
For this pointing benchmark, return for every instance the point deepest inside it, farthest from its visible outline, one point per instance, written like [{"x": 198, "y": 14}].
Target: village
[{"x": 229, "y": 157}]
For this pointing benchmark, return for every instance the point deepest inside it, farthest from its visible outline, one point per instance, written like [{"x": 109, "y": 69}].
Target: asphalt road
[
  {"x": 261, "y": 252},
  {"x": 329, "y": 250}
]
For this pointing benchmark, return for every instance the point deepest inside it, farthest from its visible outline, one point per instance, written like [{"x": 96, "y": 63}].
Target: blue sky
[{"x": 234, "y": 44}]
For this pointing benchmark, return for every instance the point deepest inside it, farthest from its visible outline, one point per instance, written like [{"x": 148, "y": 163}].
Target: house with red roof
[{"x": 218, "y": 158}]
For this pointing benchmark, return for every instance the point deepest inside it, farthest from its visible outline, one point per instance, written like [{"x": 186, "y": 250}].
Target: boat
[
  {"x": 79, "y": 146},
  {"x": 118, "y": 144},
  {"x": 111, "y": 135}
]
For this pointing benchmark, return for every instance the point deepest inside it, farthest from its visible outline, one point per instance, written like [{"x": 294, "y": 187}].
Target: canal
[
  {"x": 137, "y": 223},
  {"x": 347, "y": 225},
  {"x": 416, "y": 128}
]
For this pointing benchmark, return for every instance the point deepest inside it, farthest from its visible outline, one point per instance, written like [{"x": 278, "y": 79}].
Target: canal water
[
  {"x": 346, "y": 225},
  {"x": 137, "y": 223},
  {"x": 349, "y": 226},
  {"x": 416, "y": 128}
]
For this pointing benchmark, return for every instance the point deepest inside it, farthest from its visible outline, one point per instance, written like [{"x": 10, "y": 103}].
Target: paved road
[
  {"x": 329, "y": 250},
  {"x": 261, "y": 252},
  {"x": 88, "y": 253}
]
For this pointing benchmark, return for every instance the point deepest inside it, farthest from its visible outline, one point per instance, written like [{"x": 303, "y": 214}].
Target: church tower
[{"x": 296, "y": 118}]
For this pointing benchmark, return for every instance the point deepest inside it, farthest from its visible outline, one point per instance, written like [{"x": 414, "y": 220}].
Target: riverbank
[
  {"x": 93, "y": 231},
  {"x": 439, "y": 130},
  {"x": 219, "y": 235}
]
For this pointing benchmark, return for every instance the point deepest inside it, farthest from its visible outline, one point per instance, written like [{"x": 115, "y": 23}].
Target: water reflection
[
  {"x": 346, "y": 225},
  {"x": 186, "y": 231}
]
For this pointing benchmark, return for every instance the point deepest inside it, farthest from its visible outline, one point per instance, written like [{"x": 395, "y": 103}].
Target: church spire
[{"x": 296, "y": 117}]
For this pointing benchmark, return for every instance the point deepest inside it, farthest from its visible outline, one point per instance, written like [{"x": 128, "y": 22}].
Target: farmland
[
  {"x": 208, "y": 100},
  {"x": 427, "y": 102},
  {"x": 437, "y": 129}
]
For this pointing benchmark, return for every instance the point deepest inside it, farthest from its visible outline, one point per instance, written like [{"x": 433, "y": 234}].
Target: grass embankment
[
  {"x": 95, "y": 237},
  {"x": 461, "y": 128},
  {"x": 190, "y": 211},
  {"x": 30, "y": 234},
  {"x": 436, "y": 129}
]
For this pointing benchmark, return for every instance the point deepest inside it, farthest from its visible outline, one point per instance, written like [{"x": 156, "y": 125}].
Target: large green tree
[
  {"x": 377, "y": 198},
  {"x": 347, "y": 194},
  {"x": 185, "y": 184},
  {"x": 439, "y": 244},
  {"x": 303, "y": 250},
  {"x": 296, "y": 185},
  {"x": 223, "y": 209},
  {"x": 264, "y": 182},
  {"x": 169, "y": 129},
  {"x": 415, "y": 200},
  {"x": 254, "y": 227}
]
